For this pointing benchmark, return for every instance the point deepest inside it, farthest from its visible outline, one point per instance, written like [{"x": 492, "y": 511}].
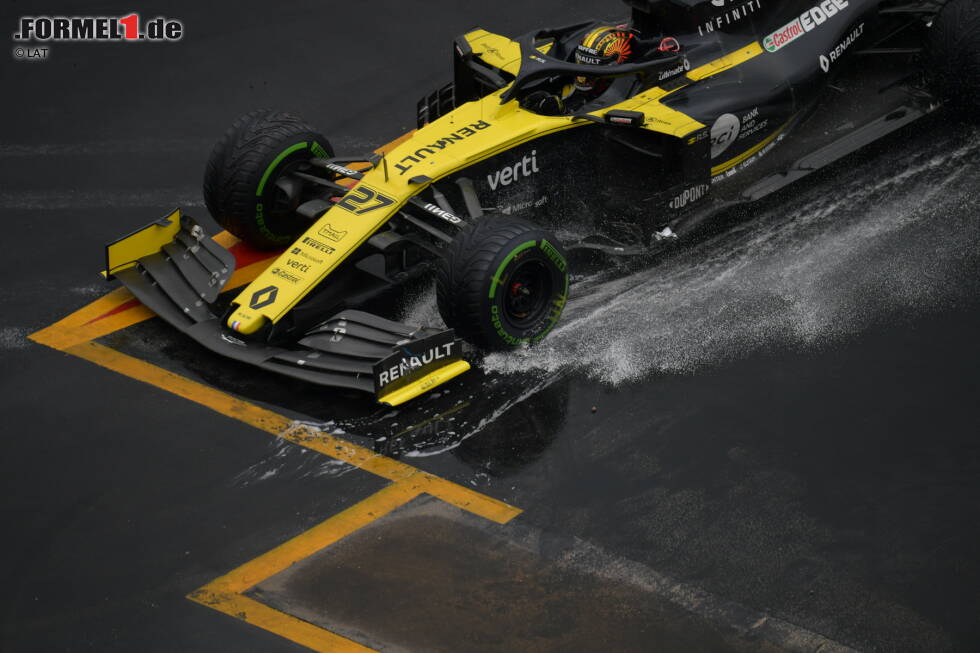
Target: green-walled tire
[
  {"x": 240, "y": 181},
  {"x": 502, "y": 284}
]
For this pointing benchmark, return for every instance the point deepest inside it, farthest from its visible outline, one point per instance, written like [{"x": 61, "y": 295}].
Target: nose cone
[{"x": 246, "y": 321}]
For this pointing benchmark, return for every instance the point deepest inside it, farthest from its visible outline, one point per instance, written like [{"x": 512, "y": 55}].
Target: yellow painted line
[
  {"x": 468, "y": 500},
  {"x": 56, "y": 335},
  {"x": 317, "y": 538},
  {"x": 181, "y": 386},
  {"x": 81, "y": 326},
  {"x": 101, "y": 306},
  {"x": 262, "y": 616},
  {"x": 226, "y": 240},
  {"x": 393, "y": 470},
  {"x": 247, "y": 274},
  {"x": 224, "y": 594},
  {"x": 78, "y": 329},
  {"x": 117, "y": 310},
  {"x": 61, "y": 337},
  {"x": 74, "y": 335},
  {"x": 281, "y": 426}
]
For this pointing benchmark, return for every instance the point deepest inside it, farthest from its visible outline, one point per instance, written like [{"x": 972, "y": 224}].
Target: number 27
[{"x": 363, "y": 200}]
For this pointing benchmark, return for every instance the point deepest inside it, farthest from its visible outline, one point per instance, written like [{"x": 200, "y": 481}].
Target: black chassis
[
  {"x": 612, "y": 188},
  {"x": 607, "y": 185}
]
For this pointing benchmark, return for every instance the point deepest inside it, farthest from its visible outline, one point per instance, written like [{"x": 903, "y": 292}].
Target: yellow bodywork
[
  {"x": 471, "y": 133},
  {"x": 423, "y": 385},
  {"x": 497, "y": 51},
  {"x": 124, "y": 253}
]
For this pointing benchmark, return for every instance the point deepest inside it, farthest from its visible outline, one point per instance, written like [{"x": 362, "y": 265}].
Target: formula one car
[{"x": 613, "y": 138}]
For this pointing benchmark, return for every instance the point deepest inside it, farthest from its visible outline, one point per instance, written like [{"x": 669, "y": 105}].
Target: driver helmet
[{"x": 603, "y": 46}]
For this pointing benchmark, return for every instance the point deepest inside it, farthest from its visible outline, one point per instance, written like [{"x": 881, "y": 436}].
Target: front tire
[
  {"x": 502, "y": 284},
  {"x": 240, "y": 181},
  {"x": 954, "y": 50}
]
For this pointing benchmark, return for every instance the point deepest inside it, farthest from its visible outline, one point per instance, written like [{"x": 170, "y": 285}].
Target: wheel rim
[{"x": 528, "y": 294}]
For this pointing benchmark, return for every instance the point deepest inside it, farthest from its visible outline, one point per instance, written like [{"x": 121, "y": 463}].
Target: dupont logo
[{"x": 689, "y": 195}]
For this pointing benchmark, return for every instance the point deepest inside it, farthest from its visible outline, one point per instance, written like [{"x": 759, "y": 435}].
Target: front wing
[{"x": 177, "y": 271}]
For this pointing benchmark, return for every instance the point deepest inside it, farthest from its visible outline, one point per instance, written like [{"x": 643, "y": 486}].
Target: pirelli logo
[{"x": 318, "y": 245}]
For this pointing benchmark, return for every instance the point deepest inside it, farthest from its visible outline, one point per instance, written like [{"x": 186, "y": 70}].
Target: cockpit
[
  {"x": 605, "y": 49},
  {"x": 582, "y": 68}
]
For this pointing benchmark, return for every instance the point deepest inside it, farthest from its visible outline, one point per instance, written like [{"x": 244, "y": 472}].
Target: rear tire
[
  {"x": 240, "y": 188},
  {"x": 954, "y": 50},
  {"x": 502, "y": 284}
]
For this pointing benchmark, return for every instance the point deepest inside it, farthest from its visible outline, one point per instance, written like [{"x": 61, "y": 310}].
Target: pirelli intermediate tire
[
  {"x": 954, "y": 49},
  {"x": 240, "y": 181},
  {"x": 502, "y": 284}
]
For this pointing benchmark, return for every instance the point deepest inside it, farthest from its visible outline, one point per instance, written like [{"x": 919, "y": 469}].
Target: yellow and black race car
[{"x": 614, "y": 138}]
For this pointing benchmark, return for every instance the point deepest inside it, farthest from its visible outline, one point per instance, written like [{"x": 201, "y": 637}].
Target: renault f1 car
[{"x": 722, "y": 101}]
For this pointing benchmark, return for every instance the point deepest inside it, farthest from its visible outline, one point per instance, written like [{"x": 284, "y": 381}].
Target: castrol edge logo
[{"x": 807, "y": 22}]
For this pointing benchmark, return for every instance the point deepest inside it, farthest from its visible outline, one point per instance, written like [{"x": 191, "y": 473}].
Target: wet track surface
[{"x": 782, "y": 451}]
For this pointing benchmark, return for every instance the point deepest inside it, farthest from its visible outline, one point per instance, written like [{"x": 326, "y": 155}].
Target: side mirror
[
  {"x": 625, "y": 118},
  {"x": 616, "y": 117}
]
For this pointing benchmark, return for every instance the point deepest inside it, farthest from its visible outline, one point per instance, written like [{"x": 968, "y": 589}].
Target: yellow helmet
[{"x": 603, "y": 46}]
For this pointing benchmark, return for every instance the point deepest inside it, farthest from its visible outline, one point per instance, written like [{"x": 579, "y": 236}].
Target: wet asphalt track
[{"x": 794, "y": 434}]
